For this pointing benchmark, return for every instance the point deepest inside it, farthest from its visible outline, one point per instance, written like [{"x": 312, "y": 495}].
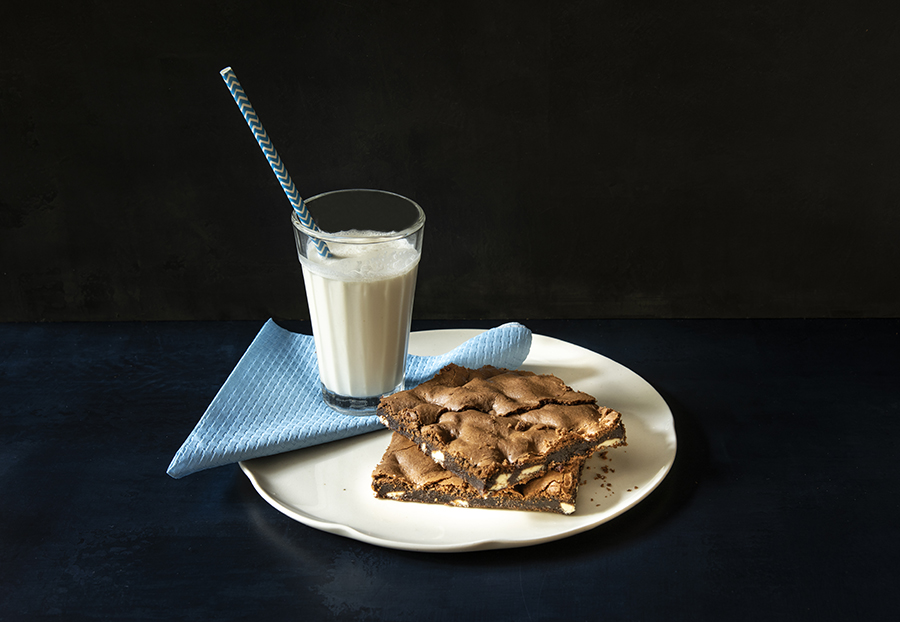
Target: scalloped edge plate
[{"x": 328, "y": 487}]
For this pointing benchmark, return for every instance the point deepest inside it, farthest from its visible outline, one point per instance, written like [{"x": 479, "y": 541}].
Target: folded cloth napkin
[{"x": 272, "y": 401}]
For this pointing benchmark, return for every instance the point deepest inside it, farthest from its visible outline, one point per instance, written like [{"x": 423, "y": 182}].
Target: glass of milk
[{"x": 360, "y": 299}]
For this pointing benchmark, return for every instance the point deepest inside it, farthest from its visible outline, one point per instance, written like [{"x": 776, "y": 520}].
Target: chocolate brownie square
[
  {"x": 406, "y": 474},
  {"x": 495, "y": 427}
]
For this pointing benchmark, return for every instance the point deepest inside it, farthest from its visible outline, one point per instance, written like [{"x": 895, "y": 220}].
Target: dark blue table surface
[{"x": 782, "y": 502}]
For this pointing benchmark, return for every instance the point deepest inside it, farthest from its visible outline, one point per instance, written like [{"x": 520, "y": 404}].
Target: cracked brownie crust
[
  {"x": 406, "y": 474},
  {"x": 496, "y": 427}
]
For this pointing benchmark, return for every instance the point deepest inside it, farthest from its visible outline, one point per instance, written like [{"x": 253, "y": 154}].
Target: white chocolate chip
[
  {"x": 533, "y": 469},
  {"x": 462, "y": 503},
  {"x": 501, "y": 481},
  {"x": 438, "y": 456},
  {"x": 567, "y": 508}
]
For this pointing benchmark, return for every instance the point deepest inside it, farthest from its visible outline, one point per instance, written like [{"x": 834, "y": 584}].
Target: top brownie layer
[{"x": 495, "y": 427}]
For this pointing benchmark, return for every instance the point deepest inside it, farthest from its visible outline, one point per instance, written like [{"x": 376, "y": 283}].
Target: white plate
[{"x": 328, "y": 487}]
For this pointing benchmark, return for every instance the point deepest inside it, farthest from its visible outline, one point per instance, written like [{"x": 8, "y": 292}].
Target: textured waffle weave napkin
[{"x": 272, "y": 402}]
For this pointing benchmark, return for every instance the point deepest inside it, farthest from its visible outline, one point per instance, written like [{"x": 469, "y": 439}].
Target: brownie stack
[{"x": 492, "y": 438}]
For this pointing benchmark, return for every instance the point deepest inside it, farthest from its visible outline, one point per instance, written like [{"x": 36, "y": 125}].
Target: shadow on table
[
  {"x": 690, "y": 467},
  {"x": 673, "y": 493}
]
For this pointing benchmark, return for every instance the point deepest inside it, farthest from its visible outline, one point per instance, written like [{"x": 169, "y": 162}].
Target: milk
[{"x": 360, "y": 304}]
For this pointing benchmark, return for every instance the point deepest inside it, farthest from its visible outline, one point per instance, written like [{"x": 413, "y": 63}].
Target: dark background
[{"x": 574, "y": 159}]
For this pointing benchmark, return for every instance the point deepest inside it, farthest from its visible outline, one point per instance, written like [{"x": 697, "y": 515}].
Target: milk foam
[{"x": 363, "y": 262}]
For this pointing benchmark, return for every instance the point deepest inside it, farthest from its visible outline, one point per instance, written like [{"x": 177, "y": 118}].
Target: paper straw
[{"x": 268, "y": 149}]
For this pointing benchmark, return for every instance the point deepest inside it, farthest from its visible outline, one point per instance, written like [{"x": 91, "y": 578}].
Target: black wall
[{"x": 574, "y": 159}]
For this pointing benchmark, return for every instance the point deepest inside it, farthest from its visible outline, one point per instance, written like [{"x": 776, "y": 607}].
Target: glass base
[{"x": 359, "y": 406}]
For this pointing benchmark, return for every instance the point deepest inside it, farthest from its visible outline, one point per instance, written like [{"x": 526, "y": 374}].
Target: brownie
[
  {"x": 496, "y": 427},
  {"x": 406, "y": 474}
]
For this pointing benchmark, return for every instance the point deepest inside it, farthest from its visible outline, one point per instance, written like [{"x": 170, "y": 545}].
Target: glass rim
[{"x": 386, "y": 236}]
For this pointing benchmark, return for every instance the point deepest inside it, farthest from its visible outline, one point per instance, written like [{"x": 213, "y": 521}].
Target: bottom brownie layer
[{"x": 407, "y": 474}]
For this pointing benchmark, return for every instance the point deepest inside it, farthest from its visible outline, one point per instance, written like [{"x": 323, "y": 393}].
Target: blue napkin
[{"x": 272, "y": 402}]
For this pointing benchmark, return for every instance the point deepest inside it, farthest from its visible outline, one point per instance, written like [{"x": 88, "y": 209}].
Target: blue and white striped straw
[{"x": 272, "y": 156}]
